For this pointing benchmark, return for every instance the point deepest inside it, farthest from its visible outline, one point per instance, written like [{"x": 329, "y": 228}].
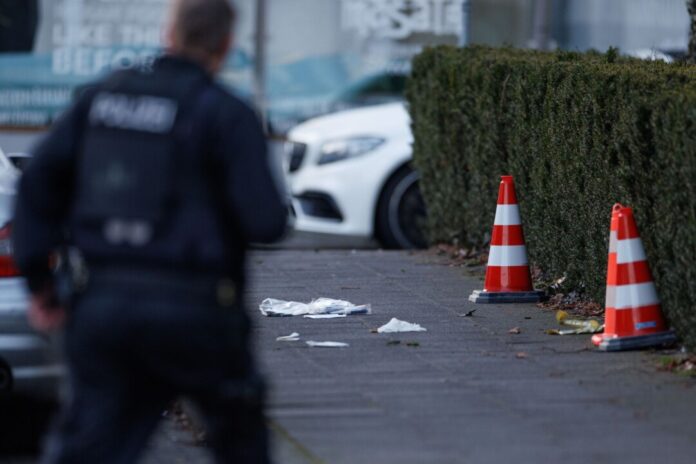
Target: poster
[{"x": 78, "y": 41}]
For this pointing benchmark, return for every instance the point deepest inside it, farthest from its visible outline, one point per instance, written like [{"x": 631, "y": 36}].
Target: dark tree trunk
[{"x": 18, "y": 21}]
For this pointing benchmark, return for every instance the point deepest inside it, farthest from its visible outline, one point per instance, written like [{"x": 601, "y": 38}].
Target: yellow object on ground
[{"x": 581, "y": 326}]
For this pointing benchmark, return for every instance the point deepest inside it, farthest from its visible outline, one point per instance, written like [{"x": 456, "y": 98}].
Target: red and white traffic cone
[
  {"x": 611, "y": 264},
  {"x": 508, "y": 279},
  {"x": 633, "y": 317}
]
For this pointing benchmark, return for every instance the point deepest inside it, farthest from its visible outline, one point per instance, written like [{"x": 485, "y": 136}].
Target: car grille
[
  {"x": 321, "y": 205},
  {"x": 295, "y": 153}
]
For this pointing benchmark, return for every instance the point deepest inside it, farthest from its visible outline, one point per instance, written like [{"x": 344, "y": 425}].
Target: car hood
[{"x": 380, "y": 120}]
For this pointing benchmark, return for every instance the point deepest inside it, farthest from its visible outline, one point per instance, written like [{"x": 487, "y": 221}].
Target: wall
[
  {"x": 499, "y": 22},
  {"x": 627, "y": 24}
]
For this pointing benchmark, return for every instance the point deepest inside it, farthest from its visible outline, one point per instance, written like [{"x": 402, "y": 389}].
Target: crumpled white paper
[
  {"x": 293, "y": 337},
  {"x": 323, "y": 316},
  {"x": 273, "y": 307},
  {"x": 396, "y": 325},
  {"x": 314, "y": 344}
]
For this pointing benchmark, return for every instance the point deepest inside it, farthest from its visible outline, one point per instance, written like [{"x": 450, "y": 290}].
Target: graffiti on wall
[
  {"x": 88, "y": 36},
  {"x": 401, "y": 19},
  {"x": 84, "y": 38}
]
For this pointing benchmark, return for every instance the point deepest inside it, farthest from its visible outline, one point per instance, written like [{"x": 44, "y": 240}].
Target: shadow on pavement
[{"x": 296, "y": 240}]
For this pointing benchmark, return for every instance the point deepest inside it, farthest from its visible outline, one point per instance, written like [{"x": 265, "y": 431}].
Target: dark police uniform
[{"x": 159, "y": 177}]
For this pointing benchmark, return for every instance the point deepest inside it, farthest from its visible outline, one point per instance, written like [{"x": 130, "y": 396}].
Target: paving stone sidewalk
[{"x": 468, "y": 392}]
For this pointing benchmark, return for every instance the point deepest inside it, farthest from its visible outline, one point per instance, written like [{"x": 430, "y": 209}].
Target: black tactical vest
[{"x": 142, "y": 182}]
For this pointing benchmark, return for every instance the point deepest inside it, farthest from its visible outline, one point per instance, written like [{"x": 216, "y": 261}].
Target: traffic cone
[
  {"x": 611, "y": 265},
  {"x": 508, "y": 279},
  {"x": 633, "y": 317}
]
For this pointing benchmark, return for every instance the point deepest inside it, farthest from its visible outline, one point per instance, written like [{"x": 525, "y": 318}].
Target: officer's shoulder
[
  {"x": 118, "y": 77},
  {"x": 232, "y": 104},
  {"x": 87, "y": 91}
]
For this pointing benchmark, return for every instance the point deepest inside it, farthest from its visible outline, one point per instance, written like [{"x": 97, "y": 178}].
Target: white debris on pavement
[
  {"x": 273, "y": 307},
  {"x": 323, "y": 316},
  {"x": 314, "y": 344},
  {"x": 293, "y": 337},
  {"x": 396, "y": 325}
]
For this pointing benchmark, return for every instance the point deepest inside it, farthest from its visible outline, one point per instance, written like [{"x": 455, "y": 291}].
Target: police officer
[{"x": 159, "y": 177}]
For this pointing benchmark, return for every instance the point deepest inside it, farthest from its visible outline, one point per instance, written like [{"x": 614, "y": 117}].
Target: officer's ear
[
  {"x": 226, "y": 45},
  {"x": 170, "y": 36}
]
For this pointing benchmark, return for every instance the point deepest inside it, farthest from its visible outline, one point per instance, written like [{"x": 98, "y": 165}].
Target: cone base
[
  {"x": 484, "y": 297},
  {"x": 633, "y": 343}
]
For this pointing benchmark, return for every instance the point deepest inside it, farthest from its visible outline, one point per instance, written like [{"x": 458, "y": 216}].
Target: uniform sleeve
[
  {"x": 44, "y": 194},
  {"x": 251, "y": 191}
]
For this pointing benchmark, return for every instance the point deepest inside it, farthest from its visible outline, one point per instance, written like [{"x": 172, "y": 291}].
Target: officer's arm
[
  {"x": 251, "y": 191},
  {"x": 43, "y": 198}
]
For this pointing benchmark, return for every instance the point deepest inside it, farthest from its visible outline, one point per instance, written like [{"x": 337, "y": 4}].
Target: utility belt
[{"x": 75, "y": 276}]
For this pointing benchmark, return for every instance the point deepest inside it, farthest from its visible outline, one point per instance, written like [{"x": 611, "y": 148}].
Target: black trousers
[{"x": 135, "y": 341}]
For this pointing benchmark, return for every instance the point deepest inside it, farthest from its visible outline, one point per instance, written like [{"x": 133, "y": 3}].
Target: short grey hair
[{"x": 202, "y": 26}]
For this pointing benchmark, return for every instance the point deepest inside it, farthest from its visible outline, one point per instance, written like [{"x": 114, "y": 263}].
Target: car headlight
[{"x": 341, "y": 149}]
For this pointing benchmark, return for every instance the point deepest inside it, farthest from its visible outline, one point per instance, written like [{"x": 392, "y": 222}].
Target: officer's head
[{"x": 201, "y": 30}]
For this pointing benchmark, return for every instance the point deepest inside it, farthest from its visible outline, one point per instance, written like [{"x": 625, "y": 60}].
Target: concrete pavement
[{"x": 465, "y": 391}]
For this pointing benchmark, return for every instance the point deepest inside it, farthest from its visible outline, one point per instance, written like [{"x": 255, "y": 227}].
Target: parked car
[
  {"x": 650, "y": 54},
  {"x": 29, "y": 364},
  {"x": 668, "y": 55},
  {"x": 349, "y": 173}
]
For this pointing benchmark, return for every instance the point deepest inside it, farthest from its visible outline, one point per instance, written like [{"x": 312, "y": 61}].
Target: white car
[
  {"x": 29, "y": 362},
  {"x": 650, "y": 54},
  {"x": 349, "y": 174}
]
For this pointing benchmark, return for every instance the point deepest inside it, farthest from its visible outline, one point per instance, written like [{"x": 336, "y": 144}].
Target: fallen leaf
[
  {"x": 515, "y": 330},
  {"x": 572, "y": 304}
]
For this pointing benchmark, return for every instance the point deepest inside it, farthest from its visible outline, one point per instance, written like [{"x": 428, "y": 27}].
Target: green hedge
[{"x": 579, "y": 132}]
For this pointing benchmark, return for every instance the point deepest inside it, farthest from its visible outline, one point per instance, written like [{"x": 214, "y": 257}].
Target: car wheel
[{"x": 401, "y": 212}]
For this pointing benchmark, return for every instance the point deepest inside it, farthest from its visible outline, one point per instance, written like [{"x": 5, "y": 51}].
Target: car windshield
[{"x": 375, "y": 89}]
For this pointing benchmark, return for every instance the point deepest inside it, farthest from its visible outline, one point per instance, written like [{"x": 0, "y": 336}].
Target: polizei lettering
[{"x": 140, "y": 113}]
